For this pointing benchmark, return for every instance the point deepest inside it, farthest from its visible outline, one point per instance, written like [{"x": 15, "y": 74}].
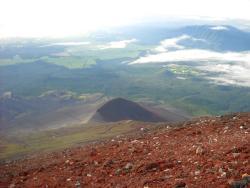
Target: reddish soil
[{"x": 207, "y": 152}]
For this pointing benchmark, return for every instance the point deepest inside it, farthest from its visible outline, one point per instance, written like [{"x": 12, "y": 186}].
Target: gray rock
[
  {"x": 128, "y": 167},
  {"x": 239, "y": 184},
  {"x": 118, "y": 171},
  {"x": 78, "y": 184}
]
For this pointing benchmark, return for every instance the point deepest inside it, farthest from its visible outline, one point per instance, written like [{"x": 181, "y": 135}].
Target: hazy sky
[{"x": 68, "y": 17}]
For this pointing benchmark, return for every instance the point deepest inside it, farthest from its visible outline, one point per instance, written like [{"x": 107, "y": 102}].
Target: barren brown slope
[{"x": 207, "y": 152}]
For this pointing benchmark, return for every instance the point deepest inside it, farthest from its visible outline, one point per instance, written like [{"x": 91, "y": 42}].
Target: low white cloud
[
  {"x": 230, "y": 68},
  {"x": 194, "y": 55},
  {"x": 219, "y": 28},
  {"x": 172, "y": 43},
  {"x": 67, "y": 44},
  {"x": 181, "y": 78},
  {"x": 229, "y": 74},
  {"x": 117, "y": 44}
]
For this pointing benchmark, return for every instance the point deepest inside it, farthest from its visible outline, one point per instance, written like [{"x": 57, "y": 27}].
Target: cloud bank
[
  {"x": 219, "y": 28},
  {"x": 43, "y": 18},
  {"x": 228, "y": 74},
  {"x": 227, "y": 68},
  {"x": 67, "y": 44},
  {"x": 172, "y": 43},
  {"x": 186, "y": 55},
  {"x": 117, "y": 44}
]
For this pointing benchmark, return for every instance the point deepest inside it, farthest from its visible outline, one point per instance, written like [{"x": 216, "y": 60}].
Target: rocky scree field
[{"x": 204, "y": 152}]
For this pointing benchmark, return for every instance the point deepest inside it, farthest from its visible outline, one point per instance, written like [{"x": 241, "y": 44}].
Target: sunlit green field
[{"x": 78, "y": 57}]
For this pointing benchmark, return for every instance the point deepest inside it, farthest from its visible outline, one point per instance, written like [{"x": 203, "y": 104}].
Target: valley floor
[{"x": 206, "y": 152}]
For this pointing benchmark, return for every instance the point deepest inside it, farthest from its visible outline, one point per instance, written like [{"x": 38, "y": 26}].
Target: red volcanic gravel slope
[{"x": 206, "y": 152}]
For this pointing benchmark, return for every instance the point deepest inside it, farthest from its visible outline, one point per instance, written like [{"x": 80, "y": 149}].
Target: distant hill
[
  {"x": 219, "y": 38},
  {"x": 213, "y": 37},
  {"x": 119, "y": 109}
]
